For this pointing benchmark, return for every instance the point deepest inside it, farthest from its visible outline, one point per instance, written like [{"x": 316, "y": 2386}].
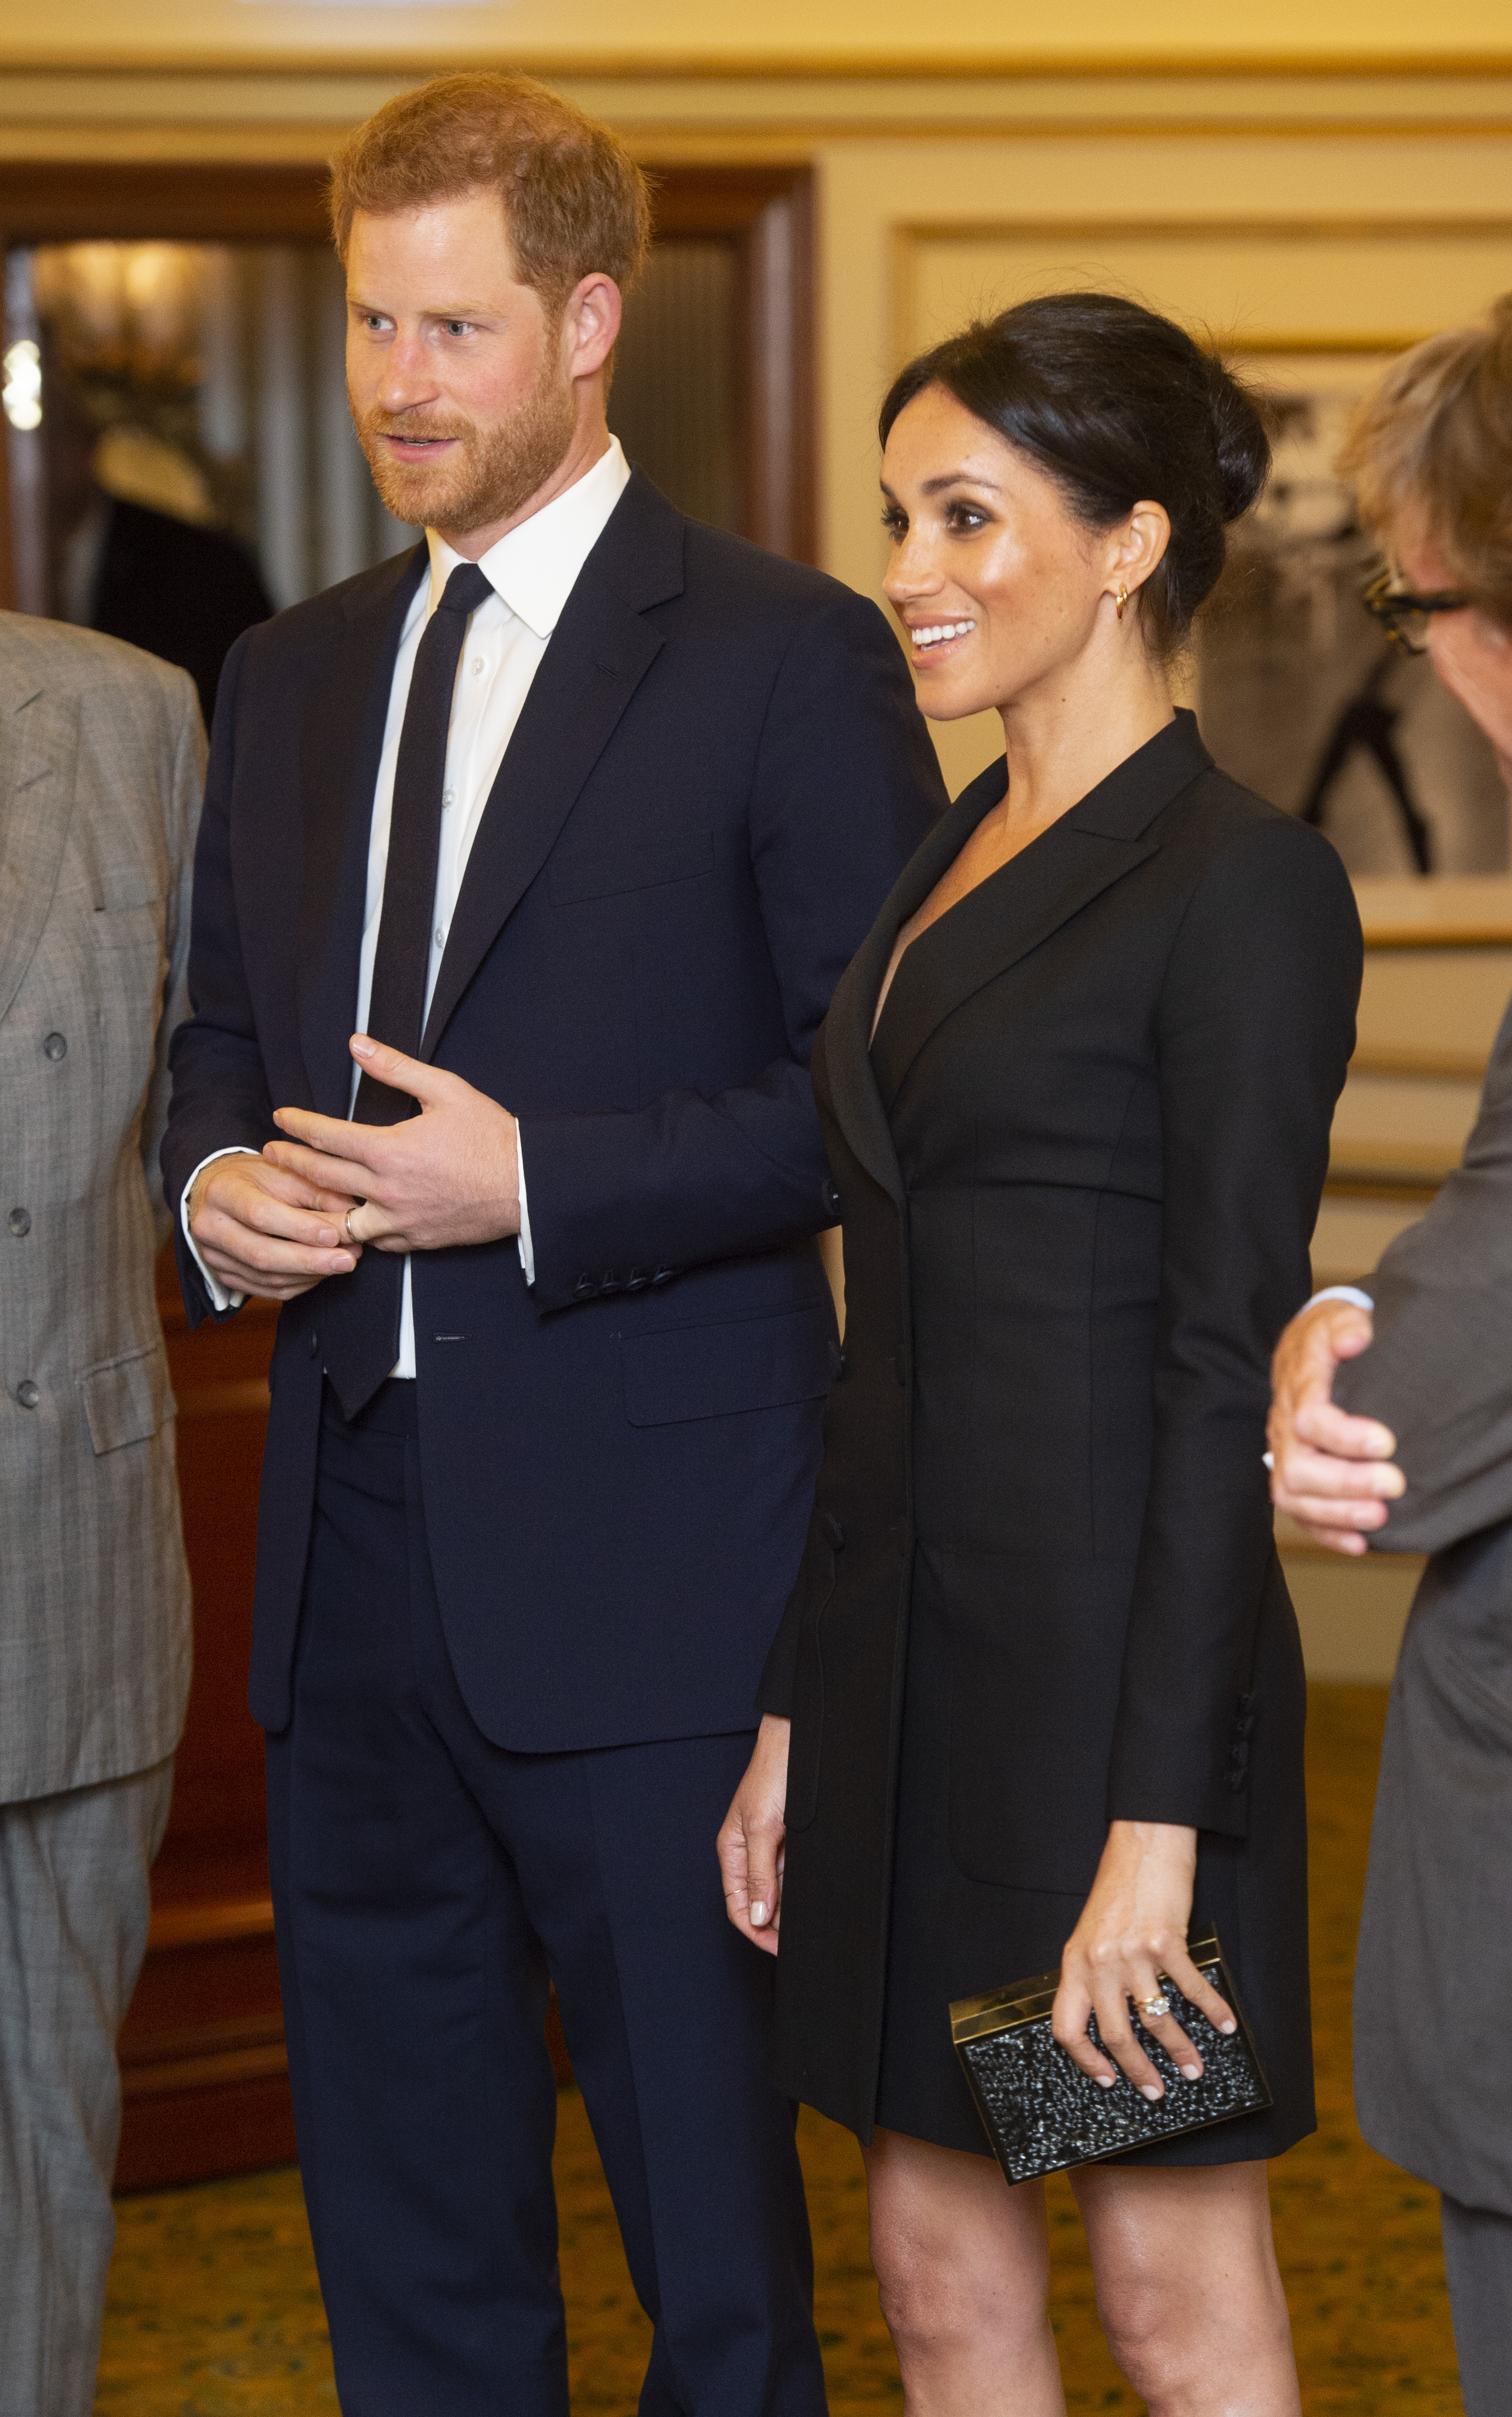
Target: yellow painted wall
[{"x": 841, "y": 31}]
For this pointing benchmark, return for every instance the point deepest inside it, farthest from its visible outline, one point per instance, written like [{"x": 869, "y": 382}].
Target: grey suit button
[
  {"x": 54, "y": 1046},
  {"x": 28, "y": 1394},
  {"x": 20, "y": 1222}
]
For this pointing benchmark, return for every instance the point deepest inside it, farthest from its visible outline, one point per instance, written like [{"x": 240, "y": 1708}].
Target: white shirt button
[
  {"x": 448, "y": 797},
  {"x": 441, "y": 935},
  {"x": 478, "y": 666}
]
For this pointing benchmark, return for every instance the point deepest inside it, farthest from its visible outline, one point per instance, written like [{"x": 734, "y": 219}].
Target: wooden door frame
[{"x": 768, "y": 210}]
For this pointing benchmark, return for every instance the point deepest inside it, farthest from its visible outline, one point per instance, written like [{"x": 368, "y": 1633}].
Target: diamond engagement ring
[{"x": 1150, "y": 2009}]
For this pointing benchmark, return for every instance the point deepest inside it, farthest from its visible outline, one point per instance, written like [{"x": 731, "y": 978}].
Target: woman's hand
[
  {"x": 1132, "y": 1936},
  {"x": 751, "y": 1840}
]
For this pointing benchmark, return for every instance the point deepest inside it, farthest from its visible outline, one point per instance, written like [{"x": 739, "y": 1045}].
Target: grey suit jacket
[
  {"x": 1433, "y": 1981},
  {"x": 101, "y": 760}
]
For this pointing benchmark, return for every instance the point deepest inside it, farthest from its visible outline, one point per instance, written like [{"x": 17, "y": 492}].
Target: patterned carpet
[{"x": 214, "y": 2310}]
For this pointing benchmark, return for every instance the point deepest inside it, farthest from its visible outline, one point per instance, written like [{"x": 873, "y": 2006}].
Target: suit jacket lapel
[
  {"x": 600, "y": 652},
  {"x": 345, "y": 713},
  {"x": 847, "y": 1029},
  {"x": 38, "y": 749}
]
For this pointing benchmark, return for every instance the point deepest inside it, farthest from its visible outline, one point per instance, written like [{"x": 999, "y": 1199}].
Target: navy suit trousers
[{"x": 428, "y": 1885}]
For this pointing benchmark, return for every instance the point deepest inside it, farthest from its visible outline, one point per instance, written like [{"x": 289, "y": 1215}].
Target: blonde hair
[
  {"x": 574, "y": 201},
  {"x": 1434, "y": 440}
]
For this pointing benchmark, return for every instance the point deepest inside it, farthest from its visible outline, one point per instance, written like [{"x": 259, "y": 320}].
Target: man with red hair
[{"x": 560, "y": 831}]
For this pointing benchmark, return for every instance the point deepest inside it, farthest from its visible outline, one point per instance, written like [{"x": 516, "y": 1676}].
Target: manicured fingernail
[
  {"x": 1229, "y": 2028},
  {"x": 1151, "y": 2089},
  {"x": 758, "y": 1912},
  {"x": 1191, "y": 2073},
  {"x": 1103, "y": 2080}
]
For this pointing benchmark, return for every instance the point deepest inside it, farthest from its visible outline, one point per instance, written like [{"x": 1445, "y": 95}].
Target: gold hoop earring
[{"x": 1120, "y": 600}]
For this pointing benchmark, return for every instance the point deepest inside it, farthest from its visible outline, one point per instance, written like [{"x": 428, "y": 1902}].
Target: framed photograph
[{"x": 1302, "y": 695}]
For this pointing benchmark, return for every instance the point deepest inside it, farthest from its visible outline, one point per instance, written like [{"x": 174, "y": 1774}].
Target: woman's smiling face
[{"x": 997, "y": 584}]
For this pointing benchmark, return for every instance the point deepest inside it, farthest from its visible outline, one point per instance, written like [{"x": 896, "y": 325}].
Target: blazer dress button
[
  {"x": 28, "y": 1394},
  {"x": 20, "y": 1222},
  {"x": 829, "y": 1194}
]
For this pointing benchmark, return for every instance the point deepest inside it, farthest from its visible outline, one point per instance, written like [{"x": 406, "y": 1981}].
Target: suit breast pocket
[{"x": 577, "y": 875}]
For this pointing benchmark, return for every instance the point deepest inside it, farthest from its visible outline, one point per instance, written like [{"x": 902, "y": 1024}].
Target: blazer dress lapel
[
  {"x": 847, "y": 1028},
  {"x": 1019, "y": 907}
]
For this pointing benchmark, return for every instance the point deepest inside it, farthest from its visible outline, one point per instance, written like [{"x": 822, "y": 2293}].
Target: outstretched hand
[
  {"x": 449, "y": 1176},
  {"x": 1332, "y": 1471}
]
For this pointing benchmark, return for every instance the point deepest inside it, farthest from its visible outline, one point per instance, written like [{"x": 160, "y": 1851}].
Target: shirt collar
[{"x": 534, "y": 569}]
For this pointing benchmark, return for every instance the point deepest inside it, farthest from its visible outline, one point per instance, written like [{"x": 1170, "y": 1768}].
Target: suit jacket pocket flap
[
  {"x": 706, "y": 1372},
  {"x": 579, "y": 873},
  {"x": 126, "y": 1400}
]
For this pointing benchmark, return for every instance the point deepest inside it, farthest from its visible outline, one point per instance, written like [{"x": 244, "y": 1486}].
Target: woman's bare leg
[
  {"x": 962, "y": 2263},
  {"x": 1188, "y": 2286}
]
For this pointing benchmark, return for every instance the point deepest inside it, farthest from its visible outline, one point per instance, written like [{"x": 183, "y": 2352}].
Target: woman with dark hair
[{"x": 1039, "y": 1673}]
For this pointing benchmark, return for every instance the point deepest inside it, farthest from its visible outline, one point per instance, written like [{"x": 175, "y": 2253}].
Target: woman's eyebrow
[{"x": 960, "y": 478}]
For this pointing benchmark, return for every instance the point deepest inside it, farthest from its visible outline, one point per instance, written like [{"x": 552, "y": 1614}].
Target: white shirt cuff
[
  {"x": 528, "y": 1249},
  {"x": 220, "y": 1297},
  {"x": 1342, "y": 1292}
]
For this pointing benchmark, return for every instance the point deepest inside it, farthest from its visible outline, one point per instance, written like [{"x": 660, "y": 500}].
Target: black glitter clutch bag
[{"x": 1042, "y": 2112}]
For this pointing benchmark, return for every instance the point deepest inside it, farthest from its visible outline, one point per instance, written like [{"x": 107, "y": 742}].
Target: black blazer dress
[{"x": 1077, "y": 1173}]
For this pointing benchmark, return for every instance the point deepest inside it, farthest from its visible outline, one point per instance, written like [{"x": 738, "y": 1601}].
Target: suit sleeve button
[
  {"x": 20, "y": 1222},
  {"x": 584, "y": 1287},
  {"x": 28, "y": 1394},
  {"x": 54, "y": 1046},
  {"x": 663, "y": 1275}
]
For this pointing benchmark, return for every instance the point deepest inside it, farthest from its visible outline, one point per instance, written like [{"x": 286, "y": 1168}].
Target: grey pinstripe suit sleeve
[{"x": 1440, "y": 1370}]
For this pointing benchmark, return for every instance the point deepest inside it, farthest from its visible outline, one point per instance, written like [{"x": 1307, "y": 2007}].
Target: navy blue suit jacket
[{"x": 719, "y": 773}]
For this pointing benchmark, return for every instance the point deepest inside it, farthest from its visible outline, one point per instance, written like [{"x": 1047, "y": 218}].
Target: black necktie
[{"x": 362, "y": 1315}]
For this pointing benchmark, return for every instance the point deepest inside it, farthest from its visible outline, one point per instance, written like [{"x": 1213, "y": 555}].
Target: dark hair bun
[
  {"x": 1121, "y": 406},
  {"x": 1239, "y": 440}
]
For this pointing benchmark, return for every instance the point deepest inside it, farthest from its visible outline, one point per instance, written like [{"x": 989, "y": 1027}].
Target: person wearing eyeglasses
[{"x": 1391, "y": 1429}]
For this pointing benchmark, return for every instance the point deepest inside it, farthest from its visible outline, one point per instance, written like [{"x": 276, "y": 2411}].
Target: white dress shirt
[{"x": 532, "y": 571}]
